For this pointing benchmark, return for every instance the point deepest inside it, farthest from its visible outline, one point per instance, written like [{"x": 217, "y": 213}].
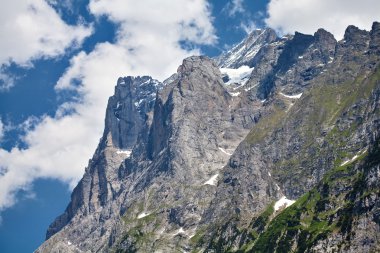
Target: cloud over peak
[{"x": 306, "y": 16}]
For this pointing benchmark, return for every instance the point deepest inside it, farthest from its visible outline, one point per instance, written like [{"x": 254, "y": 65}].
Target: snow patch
[
  {"x": 263, "y": 101},
  {"x": 126, "y": 152},
  {"x": 146, "y": 82},
  {"x": 269, "y": 174},
  {"x": 69, "y": 243},
  {"x": 252, "y": 52},
  {"x": 239, "y": 75},
  {"x": 213, "y": 180},
  {"x": 353, "y": 158},
  {"x": 234, "y": 94},
  {"x": 300, "y": 57},
  {"x": 253, "y": 86},
  {"x": 161, "y": 231},
  {"x": 180, "y": 231},
  {"x": 155, "y": 82},
  {"x": 142, "y": 215},
  {"x": 283, "y": 203},
  {"x": 138, "y": 103},
  {"x": 291, "y": 96},
  {"x": 224, "y": 151}
]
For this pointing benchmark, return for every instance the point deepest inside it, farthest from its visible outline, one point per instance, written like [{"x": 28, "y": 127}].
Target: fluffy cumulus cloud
[
  {"x": 306, "y": 16},
  {"x": 148, "y": 42},
  {"x": 31, "y": 29}
]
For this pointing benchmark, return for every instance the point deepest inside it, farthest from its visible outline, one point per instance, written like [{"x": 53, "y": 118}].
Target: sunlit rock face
[{"x": 276, "y": 138}]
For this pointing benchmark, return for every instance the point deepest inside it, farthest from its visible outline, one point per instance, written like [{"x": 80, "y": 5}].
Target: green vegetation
[
  {"x": 264, "y": 127},
  {"x": 324, "y": 210}
]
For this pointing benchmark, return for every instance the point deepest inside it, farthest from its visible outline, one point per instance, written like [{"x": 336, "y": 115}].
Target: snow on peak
[
  {"x": 239, "y": 75},
  {"x": 291, "y": 96},
  {"x": 213, "y": 180},
  {"x": 283, "y": 203},
  {"x": 126, "y": 152}
]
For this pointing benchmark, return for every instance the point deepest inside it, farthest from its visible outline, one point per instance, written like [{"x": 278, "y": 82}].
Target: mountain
[{"x": 271, "y": 147}]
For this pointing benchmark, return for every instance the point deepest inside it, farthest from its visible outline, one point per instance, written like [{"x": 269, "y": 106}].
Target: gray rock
[{"x": 192, "y": 164}]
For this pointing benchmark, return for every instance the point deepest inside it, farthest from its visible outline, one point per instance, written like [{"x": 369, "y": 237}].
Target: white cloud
[
  {"x": 6, "y": 80},
  {"x": 234, "y": 7},
  {"x": 248, "y": 26},
  {"x": 31, "y": 29},
  {"x": 306, "y": 16},
  {"x": 1, "y": 130},
  {"x": 148, "y": 42}
]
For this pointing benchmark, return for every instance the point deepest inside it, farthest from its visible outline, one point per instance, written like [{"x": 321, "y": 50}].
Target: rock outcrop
[{"x": 271, "y": 147}]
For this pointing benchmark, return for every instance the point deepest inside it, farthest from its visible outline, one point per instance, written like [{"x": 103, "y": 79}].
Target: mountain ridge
[{"x": 194, "y": 166}]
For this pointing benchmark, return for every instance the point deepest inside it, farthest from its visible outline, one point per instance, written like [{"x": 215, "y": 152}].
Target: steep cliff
[
  {"x": 300, "y": 141},
  {"x": 261, "y": 150}
]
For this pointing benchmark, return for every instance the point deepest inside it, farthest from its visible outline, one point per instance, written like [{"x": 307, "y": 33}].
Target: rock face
[
  {"x": 211, "y": 159},
  {"x": 129, "y": 109},
  {"x": 244, "y": 53}
]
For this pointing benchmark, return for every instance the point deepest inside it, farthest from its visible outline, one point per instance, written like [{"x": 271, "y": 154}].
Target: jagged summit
[
  {"x": 273, "y": 146},
  {"x": 245, "y": 51},
  {"x": 127, "y": 110}
]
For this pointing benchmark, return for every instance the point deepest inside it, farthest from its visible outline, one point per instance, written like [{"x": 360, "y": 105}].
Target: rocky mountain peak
[
  {"x": 195, "y": 68},
  {"x": 375, "y": 38},
  {"x": 356, "y": 37},
  {"x": 261, "y": 36},
  {"x": 322, "y": 36},
  {"x": 127, "y": 109},
  {"x": 274, "y": 159},
  {"x": 245, "y": 52}
]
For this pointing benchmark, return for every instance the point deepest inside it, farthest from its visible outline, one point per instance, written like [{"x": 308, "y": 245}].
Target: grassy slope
[{"x": 326, "y": 209}]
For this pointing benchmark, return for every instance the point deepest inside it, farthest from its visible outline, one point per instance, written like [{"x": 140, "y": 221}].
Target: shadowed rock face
[
  {"x": 127, "y": 113},
  {"x": 196, "y": 164}
]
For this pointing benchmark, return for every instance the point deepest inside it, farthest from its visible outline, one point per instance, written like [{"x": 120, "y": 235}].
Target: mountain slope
[
  {"x": 200, "y": 163},
  {"x": 300, "y": 140}
]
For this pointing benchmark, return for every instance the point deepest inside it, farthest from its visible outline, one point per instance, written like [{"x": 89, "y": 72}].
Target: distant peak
[
  {"x": 321, "y": 33},
  {"x": 193, "y": 62},
  {"x": 353, "y": 33},
  {"x": 324, "y": 36},
  {"x": 375, "y": 27},
  {"x": 244, "y": 52}
]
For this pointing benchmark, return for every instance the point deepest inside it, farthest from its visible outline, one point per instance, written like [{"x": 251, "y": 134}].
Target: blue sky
[{"x": 59, "y": 62}]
